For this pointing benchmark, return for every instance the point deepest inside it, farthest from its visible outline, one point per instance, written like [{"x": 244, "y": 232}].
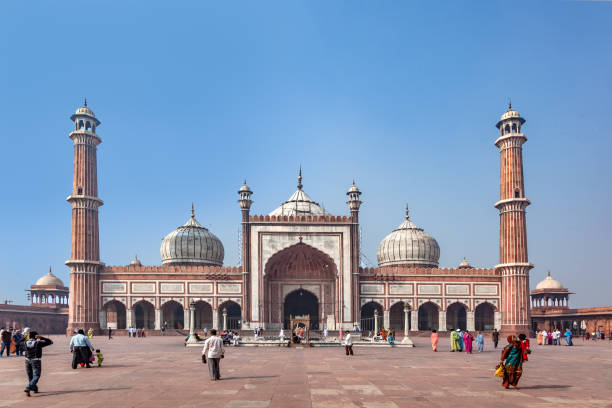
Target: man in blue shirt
[{"x": 81, "y": 349}]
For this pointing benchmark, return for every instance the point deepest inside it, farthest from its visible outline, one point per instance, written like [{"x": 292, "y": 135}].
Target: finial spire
[
  {"x": 549, "y": 273},
  {"x": 85, "y": 103},
  {"x": 299, "y": 185},
  {"x": 509, "y": 104},
  {"x": 192, "y": 211},
  {"x": 407, "y": 212},
  {"x": 49, "y": 269}
]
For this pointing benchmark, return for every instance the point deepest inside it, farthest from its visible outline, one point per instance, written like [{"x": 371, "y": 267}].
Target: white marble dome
[
  {"x": 549, "y": 283},
  {"x": 49, "y": 279},
  {"x": 192, "y": 244},
  {"x": 408, "y": 245},
  {"x": 299, "y": 204}
]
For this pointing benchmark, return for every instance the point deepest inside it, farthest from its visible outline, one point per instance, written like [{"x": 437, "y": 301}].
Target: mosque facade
[{"x": 299, "y": 259}]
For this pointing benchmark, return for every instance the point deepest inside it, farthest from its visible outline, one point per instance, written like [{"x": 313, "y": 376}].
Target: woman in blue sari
[{"x": 512, "y": 359}]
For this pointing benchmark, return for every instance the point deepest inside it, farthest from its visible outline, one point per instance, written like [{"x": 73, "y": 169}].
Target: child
[{"x": 100, "y": 357}]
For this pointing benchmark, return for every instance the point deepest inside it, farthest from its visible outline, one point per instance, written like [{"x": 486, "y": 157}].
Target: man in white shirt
[
  {"x": 213, "y": 351},
  {"x": 325, "y": 333},
  {"x": 348, "y": 343}
]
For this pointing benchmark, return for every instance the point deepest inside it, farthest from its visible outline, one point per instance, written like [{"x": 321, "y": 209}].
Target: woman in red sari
[{"x": 512, "y": 359}]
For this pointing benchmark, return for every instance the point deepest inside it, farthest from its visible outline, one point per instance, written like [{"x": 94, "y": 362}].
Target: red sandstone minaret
[
  {"x": 245, "y": 207},
  {"x": 354, "y": 203},
  {"x": 513, "y": 262},
  {"x": 84, "y": 259}
]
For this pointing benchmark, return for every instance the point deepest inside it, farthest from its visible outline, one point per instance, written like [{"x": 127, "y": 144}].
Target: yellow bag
[{"x": 500, "y": 371}]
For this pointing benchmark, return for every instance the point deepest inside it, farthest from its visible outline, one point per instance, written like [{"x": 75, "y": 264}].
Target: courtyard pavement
[{"x": 161, "y": 372}]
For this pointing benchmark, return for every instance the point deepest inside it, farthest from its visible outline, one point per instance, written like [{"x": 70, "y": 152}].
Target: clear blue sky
[{"x": 400, "y": 96}]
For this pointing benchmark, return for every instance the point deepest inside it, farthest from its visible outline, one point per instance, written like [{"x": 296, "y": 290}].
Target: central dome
[
  {"x": 299, "y": 204},
  {"x": 192, "y": 244},
  {"x": 408, "y": 245}
]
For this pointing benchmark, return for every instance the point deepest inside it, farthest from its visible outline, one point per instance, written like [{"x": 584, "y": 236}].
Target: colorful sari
[
  {"x": 454, "y": 338},
  {"x": 512, "y": 356},
  {"x": 434, "y": 341},
  {"x": 540, "y": 338},
  {"x": 467, "y": 341}
]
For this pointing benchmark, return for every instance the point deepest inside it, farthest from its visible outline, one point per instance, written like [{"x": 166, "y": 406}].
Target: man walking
[
  {"x": 33, "y": 355},
  {"x": 213, "y": 351},
  {"x": 5, "y": 337},
  {"x": 348, "y": 343},
  {"x": 81, "y": 349},
  {"x": 495, "y": 337}
]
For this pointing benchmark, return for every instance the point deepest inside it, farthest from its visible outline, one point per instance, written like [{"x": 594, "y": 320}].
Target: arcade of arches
[
  {"x": 428, "y": 317},
  {"x": 300, "y": 280}
]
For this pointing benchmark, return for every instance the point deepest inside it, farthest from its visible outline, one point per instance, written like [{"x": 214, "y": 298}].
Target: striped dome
[
  {"x": 192, "y": 244},
  {"x": 408, "y": 245}
]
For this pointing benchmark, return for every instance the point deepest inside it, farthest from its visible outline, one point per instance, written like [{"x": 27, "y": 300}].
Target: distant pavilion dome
[
  {"x": 408, "y": 245},
  {"x": 464, "y": 264},
  {"x": 49, "y": 280},
  {"x": 549, "y": 283},
  {"x": 299, "y": 204},
  {"x": 192, "y": 244}
]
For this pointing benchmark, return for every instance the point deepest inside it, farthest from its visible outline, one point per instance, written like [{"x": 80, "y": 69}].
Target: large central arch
[
  {"x": 300, "y": 303},
  {"x": 304, "y": 268}
]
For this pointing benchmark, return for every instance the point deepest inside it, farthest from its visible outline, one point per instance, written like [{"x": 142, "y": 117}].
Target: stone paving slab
[{"x": 161, "y": 372}]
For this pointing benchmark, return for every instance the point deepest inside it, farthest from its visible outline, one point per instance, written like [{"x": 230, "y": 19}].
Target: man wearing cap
[{"x": 33, "y": 359}]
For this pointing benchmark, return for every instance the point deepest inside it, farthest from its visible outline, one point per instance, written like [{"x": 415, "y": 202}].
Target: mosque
[{"x": 299, "y": 259}]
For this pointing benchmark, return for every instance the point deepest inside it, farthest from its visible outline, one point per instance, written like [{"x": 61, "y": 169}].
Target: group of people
[
  {"x": 463, "y": 340},
  {"x": 83, "y": 352},
  {"x": 10, "y": 338},
  {"x": 553, "y": 337},
  {"x": 597, "y": 335},
  {"x": 136, "y": 332},
  {"x": 383, "y": 335}
]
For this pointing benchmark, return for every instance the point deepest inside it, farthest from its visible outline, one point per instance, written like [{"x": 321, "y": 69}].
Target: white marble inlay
[
  {"x": 375, "y": 289},
  {"x": 485, "y": 289},
  {"x": 457, "y": 289},
  {"x": 200, "y": 288},
  {"x": 228, "y": 288},
  {"x": 398, "y": 289},
  {"x": 429, "y": 289},
  {"x": 143, "y": 288},
  {"x": 114, "y": 287},
  {"x": 172, "y": 288}
]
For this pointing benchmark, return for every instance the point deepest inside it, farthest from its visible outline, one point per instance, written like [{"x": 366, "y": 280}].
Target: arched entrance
[
  {"x": 428, "y": 316},
  {"x": 456, "y": 317},
  {"x": 233, "y": 313},
  {"x": 300, "y": 267},
  {"x": 203, "y": 315},
  {"x": 367, "y": 316},
  {"x": 173, "y": 315},
  {"x": 300, "y": 303},
  {"x": 484, "y": 317},
  {"x": 145, "y": 315},
  {"x": 396, "y": 317},
  {"x": 115, "y": 314}
]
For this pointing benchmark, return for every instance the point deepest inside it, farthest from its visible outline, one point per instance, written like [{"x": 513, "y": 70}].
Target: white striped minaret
[
  {"x": 513, "y": 262},
  {"x": 84, "y": 259}
]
